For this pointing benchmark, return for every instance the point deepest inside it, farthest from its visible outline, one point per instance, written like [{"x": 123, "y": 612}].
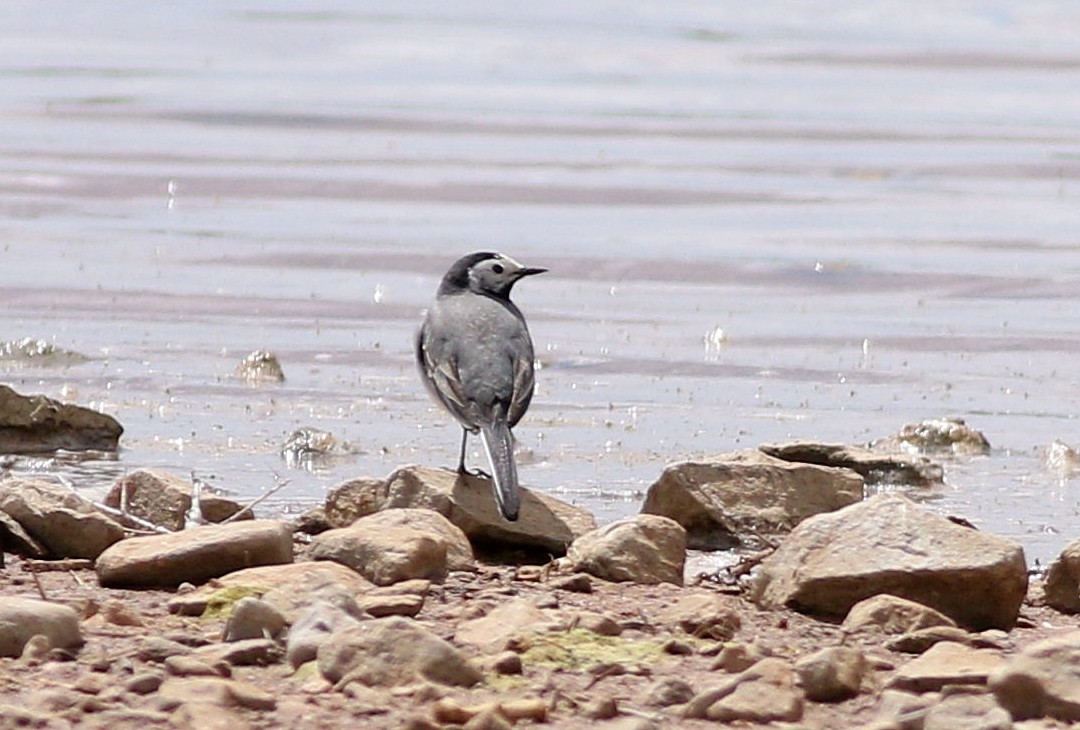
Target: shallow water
[{"x": 761, "y": 223}]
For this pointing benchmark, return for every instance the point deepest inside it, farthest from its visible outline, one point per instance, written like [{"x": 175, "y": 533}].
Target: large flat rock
[
  {"x": 889, "y": 544},
  {"x": 195, "y": 555},
  {"x": 35, "y": 424},
  {"x": 545, "y": 524}
]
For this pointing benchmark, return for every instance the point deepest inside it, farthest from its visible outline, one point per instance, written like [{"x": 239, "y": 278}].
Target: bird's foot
[{"x": 478, "y": 473}]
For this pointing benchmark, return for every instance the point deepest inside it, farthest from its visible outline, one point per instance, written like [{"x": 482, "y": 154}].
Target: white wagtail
[{"x": 476, "y": 359}]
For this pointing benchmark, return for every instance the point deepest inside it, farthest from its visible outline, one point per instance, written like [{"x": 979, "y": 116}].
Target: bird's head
[{"x": 485, "y": 272}]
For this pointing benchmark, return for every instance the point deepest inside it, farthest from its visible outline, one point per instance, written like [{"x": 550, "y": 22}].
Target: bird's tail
[{"x": 499, "y": 445}]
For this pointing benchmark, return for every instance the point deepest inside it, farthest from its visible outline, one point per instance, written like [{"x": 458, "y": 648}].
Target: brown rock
[
  {"x": 918, "y": 641},
  {"x": 24, "y": 618},
  {"x": 291, "y": 588},
  {"x": 946, "y": 664},
  {"x": 385, "y": 557},
  {"x": 164, "y": 499},
  {"x": 176, "y": 691},
  {"x": 642, "y": 549},
  {"x": 723, "y": 502},
  {"x": 704, "y": 615},
  {"x": 669, "y": 691},
  {"x": 737, "y": 657},
  {"x": 205, "y": 716},
  {"x": 66, "y": 524},
  {"x": 967, "y": 711},
  {"x": 1043, "y": 680},
  {"x": 402, "y": 604},
  {"x": 545, "y": 524},
  {"x": 888, "y": 544},
  {"x": 763, "y": 693},
  {"x": 35, "y": 424},
  {"x": 1062, "y": 587},
  {"x": 194, "y": 555},
  {"x": 937, "y": 435},
  {"x": 597, "y": 623},
  {"x": 390, "y": 652},
  {"x": 490, "y": 633},
  {"x": 893, "y": 615},
  {"x": 832, "y": 674},
  {"x": 872, "y": 465}
]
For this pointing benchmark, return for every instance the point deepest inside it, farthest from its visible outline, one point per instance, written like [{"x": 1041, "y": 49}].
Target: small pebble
[
  {"x": 677, "y": 647},
  {"x": 144, "y": 684},
  {"x": 602, "y": 708},
  {"x": 507, "y": 662}
]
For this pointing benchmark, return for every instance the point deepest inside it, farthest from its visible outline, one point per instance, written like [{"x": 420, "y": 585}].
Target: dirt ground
[{"x": 72, "y": 689}]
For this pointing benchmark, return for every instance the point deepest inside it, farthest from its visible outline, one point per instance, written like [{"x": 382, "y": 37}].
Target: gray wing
[{"x": 439, "y": 370}]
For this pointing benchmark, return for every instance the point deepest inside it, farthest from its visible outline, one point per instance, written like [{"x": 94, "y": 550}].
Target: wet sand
[{"x": 761, "y": 224}]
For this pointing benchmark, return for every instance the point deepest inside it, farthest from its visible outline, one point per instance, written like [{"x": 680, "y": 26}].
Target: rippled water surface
[{"x": 762, "y": 223}]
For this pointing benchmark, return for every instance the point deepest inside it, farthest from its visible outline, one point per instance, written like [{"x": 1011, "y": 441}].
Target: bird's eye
[{"x": 497, "y": 268}]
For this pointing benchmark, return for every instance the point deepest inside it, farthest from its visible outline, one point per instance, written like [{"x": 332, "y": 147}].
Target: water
[{"x": 877, "y": 204}]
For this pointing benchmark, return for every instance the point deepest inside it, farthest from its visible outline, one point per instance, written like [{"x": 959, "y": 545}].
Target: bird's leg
[{"x": 461, "y": 459}]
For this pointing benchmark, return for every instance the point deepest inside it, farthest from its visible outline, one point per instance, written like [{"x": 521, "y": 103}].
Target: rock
[
  {"x": 1042, "y": 680},
  {"x": 763, "y": 693},
  {"x": 36, "y": 424},
  {"x": 703, "y": 615},
  {"x": 64, "y": 522},
  {"x": 597, "y": 623},
  {"x": 1062, "y": 586},
  {"x": 724, "y": 502},
  {"x": 893, "y": 615},
  {"x": 832, "y": 674},
  {"x": 669, "y": 691},
  {"x": 312, "y": 630},
  {"x": 937, "y": 435},
  {"x": 23, "y": 618},
  {"x": 14, "y": 539},
  {"x": 400, "y": 604},
  {"x": 888, "y": 544},
  {"x": 205, "y": 716},
  {"x": 918, "y": 641},
  {"x": 390, "y": 652},
  {"x": 1061, "y": 459},
  {"x": 642, "y": 549},
  {"x": 144, "y": 683},
  {"x": 119, "y": 613},
  {"x": 490, "y": 633},
  {"x": 252, "y": 618},
  {"x": 259, "y": 367},
  {"x": 601, "y": 708},
  {"x": 291, "y": 588},
  {"x": 967, "y": 711},
  {"x": 157, "y": 649},
  {"x": 403, "y": 598},
  {"x": 873, "y": 466},
  {"x": 242, "y": 653},
  {"x": 164, "y": 499},
  {"x": 176, "y": 691},
  {"x": 903, "y": 710},
  {"x": 309, "y": 448},
  {"x": 677, "y": 647},
  {"x": 575, "y": 583},
  {"x": 736, "y": 657},
  {"x": 545, "y": 524},
  {"x": 194, "y": 555},
  {"x": 184, "y": 665},
  {"x": 508, "y": 662},
  {"x": 946, "y": 664},
  {"x": 488, "y": 720},
  {"x": 397, "y": 544}
]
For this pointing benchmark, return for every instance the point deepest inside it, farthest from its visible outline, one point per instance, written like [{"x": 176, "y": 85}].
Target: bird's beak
[{"x": 529, "y": 271}]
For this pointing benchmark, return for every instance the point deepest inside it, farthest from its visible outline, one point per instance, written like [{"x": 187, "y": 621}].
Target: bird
[{"x": 476, "y": 358}]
